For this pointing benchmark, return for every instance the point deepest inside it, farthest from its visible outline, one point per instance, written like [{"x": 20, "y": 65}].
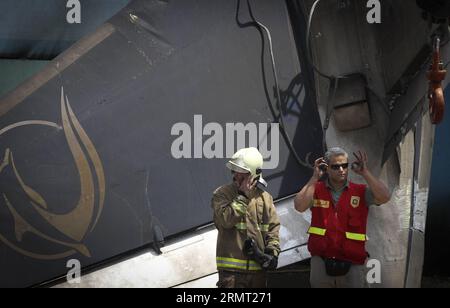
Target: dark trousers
[{"x": 251, "y": 280}]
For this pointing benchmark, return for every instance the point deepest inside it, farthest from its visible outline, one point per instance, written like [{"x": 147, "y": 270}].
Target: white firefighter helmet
[{"x": 248, "y": 160}]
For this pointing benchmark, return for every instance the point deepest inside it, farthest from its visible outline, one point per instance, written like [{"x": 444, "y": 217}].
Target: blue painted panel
[{"x": 437, "y": 246}]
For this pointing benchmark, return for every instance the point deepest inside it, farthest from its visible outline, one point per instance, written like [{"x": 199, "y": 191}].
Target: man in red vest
[{"x": 339, "y": 209}]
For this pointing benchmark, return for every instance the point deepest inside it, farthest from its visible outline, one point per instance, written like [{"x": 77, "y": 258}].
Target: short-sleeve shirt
[{"x": 336, "y": 194}]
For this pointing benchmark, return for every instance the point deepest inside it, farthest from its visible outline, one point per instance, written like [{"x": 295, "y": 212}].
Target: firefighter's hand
[
  {"x": 273, "y": 264},
  {"x": 360, "y": 165},
  {"x": 320, "y": 167},
  {"x": 248, "y": 185},
  {"x": 249, "y": 248},
  {"x": 270, "y": 262}
]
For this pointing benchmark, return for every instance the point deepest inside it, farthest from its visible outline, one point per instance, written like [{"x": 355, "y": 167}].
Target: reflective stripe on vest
[
  {"x": 237, "y": 264},
  {"x": 317, "y": 231},
  {"x": 349, "y": 235},
  {"x": 241, "y": 226},
  {"x": 263, "y": 228},
  {"x": 239, "y": 207},
  {"x": 356, "y": 236}
]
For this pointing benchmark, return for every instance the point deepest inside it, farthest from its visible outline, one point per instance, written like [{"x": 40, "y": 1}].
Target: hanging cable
[
  {"x": 308, "y": 44},
  {"x": 334, "y": 80},
  {"x": 284, "y": 132}
]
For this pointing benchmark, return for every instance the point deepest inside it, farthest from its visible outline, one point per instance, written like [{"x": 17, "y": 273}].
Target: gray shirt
[{"x": 336, "y": 194}]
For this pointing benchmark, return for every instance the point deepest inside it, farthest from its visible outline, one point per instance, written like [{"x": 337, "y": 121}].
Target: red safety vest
[{"x": 339, "y": 231}]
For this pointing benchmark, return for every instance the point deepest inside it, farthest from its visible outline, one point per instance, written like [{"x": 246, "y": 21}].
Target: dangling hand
[{"x": 271, "y": 262}]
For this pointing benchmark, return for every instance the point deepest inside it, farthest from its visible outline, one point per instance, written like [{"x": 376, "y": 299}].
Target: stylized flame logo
[{"x": 82, "y": 219}]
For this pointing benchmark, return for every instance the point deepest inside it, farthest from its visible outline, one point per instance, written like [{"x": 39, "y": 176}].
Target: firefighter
[
  {"x": 339, "y": 209},
  {"x": 248, "y": 242}
]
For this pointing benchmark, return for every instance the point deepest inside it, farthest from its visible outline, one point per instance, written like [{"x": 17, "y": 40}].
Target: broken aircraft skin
[
  {"x": 87, "y": 168},
  {"x": 90, "y": 172}
]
